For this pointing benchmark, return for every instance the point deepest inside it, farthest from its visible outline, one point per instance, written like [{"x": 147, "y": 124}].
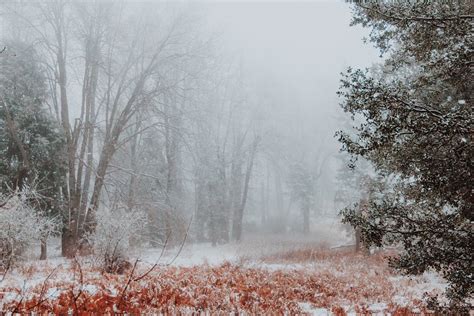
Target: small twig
[
  {"x": 130, "y": 279},
  {"x": 43, "y": 290},
  {"x": 156, "y": 262},
  {"x": 23, "y": 290},
  {"x": 182, "y": 244},
  {"x": 6, "y": 269},
  {"x": 81, "y": 280}
]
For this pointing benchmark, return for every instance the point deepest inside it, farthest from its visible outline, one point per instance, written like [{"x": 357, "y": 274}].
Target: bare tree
[{"x": 122, "y": 57}]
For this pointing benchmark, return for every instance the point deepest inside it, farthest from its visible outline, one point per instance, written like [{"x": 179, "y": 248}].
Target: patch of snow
[
  {"x": 53, "y": 293},
  {"x": 377, "y": 307},
  {"x": 90, "y": 288},
  {"x": 278, "y": 266},
  {"x": 113, "y": 291},
  {"x": 350, "y": 310},
  {"x": 400, "y": 300},
  {"x": 193, "y": 255},
  {"x": 315, "y": 311}
]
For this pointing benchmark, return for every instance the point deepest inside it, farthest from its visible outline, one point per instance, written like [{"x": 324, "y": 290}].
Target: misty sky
[{"x": 303, "y": 46}]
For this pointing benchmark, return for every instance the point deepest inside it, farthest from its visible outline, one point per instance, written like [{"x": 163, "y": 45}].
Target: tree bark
[
  {"x": 44, "y": 249},
  {"x": 133, "y": 166},
  {"x": 238, "y": 216},
  {"x": 358, "y": 242},
  {"x": 70, "y": 230},
  {"x": 280, "y": 211}
]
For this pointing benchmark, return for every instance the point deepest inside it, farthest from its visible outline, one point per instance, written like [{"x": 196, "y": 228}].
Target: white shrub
[
  {"x": 20, "y": 226},
  {"x": 118, "y": 232}
]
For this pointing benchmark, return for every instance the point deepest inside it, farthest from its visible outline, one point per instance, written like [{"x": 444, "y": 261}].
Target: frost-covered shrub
[
  {"x": 118, "y": 232},
  {"x": 20, "y": 226}
]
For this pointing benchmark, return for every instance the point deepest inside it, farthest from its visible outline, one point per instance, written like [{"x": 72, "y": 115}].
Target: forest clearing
[
  {"x": 308, "y": 279},
  {"x": 240, "y": 157}
]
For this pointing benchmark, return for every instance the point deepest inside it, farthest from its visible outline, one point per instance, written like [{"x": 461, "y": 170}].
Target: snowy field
[{"x": 259, "y": 275}]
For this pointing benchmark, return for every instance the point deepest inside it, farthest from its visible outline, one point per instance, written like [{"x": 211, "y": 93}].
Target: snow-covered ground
[
  {"x": 328, "y": 232},
  {"x": 250, "y": 249},
  {"x": 342, "y": 277}
]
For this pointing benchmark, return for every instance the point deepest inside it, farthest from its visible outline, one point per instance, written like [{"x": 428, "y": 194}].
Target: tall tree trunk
[
  {"x": 90, "y": 99},
  {"x": 113, "y": 133},
  {"x": 358, "y": 242},
  {"x": 263, "y": 205},
  {"x": 280, "y": 216},
  {"x": 70, "y": 229},
  {"x": 105, "y": 157},
  {"x": 213, "y": 235},
  {"x": 222, "y": 205},
  {"x": 359, "y": 245},
  {"x": 201, "y": 215},
  {"x": 236, "y": 189},
  {"x": 238, "y": 216},
  {"x": 306, "y": 208},
  {"x": 266, "y": 196},
  {"x": 172, "y": 126},
  {"x": 133, "y": 165}
]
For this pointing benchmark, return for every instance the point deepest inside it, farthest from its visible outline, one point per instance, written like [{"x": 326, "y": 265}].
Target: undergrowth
[{"x": 349, "y": 282}]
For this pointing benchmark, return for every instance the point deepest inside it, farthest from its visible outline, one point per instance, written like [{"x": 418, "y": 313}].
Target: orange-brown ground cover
[{"x": 339, "y": 281}]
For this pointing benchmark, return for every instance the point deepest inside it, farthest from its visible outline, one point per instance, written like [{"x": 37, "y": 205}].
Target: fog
[
  {"x": 218, "y": 115},
  {"x": 236, "y": 157},
  {"x": 299, "y": 49}
]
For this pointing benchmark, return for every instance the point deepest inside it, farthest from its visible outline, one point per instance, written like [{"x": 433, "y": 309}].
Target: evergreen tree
[
  {"x": 31, "y": 145},
  {"x": 417, "y": 130}
]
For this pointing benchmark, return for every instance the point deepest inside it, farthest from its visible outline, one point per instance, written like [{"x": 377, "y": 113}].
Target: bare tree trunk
[
  {"x": 212, "y": 214},
  {"x": 93, "y": 58},
  {"x": 70, "y": 229},
  {"x": 359, "y": 245},
  {"x": 279, "y": 199},
  {"x": 235, "y": 187},
  {"x": 221, "y": 214},
  {"x": 170, "y": 150},
  {"x": 113, "y": 133},
  {"x": 201, "y": 210},
  {"x": 358, "y": 242},
  {"x": 44, "y": 249},
  {"x": 236, "y": 191},
  {"x": 105, "y": 157},
  {"x": 68, "y": 242},
  {"x": 238, "y": 216},
  {"x": 267, "y": 194},
  {"x": 133, "y": 165},
  {"x": 306, "y": 225}
]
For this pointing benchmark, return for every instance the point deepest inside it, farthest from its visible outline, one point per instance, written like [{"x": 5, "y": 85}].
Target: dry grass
[{"x": 333, "y": 279}]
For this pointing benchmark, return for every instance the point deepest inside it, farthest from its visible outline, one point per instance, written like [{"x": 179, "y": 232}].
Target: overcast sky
[
  {"x": 303, "y": 45},
  {"x": 297, "y": 37}
]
